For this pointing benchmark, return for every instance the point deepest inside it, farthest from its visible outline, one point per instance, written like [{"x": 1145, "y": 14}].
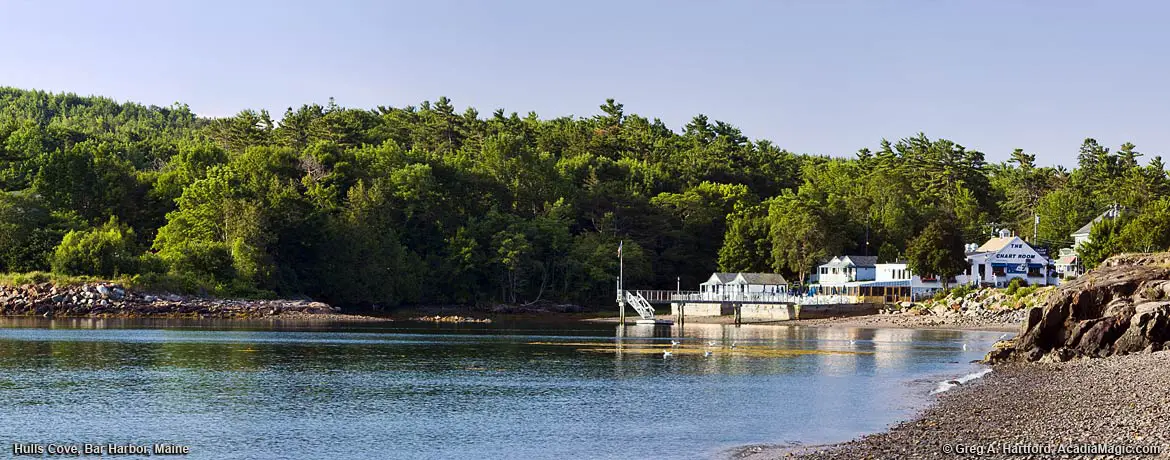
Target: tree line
[{"x": 427, "y": 204}]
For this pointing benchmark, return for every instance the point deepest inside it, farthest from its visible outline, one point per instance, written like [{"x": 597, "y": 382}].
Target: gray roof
[
  {"x": 764, "y": 278},
  {"x": 852, "y": 261},
  {"x": 1108, "y": 214},
  {"x": 862, "y": 261},
  {"x": 723, "y": 278}
]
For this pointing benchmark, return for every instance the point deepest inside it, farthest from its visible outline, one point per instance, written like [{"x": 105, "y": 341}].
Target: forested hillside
[{"x": 430, "y": 204}]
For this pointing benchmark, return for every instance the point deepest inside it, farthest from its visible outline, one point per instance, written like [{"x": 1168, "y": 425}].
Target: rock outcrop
[
  {"x": 1121, "y": 307},
  {"x": 110, "y": 300},
  {"x": 980, "y": 305}
]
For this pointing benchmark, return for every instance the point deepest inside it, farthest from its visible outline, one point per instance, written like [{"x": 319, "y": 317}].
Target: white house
[
  {"x": 769, "y": 283},
  {"x": 847, "y": 269},
  {"x": 1068, "y": 265},
  {"x": 716, "y": 283},
  {"x": 1082, "y": 234},
  {"x": 756, "y": 283}
]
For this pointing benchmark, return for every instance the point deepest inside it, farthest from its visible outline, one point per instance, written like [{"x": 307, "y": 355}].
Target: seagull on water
[
  {"x": 667, "y": 354},
  {"x": 707, "y": 354},
  {"x": 732, "y": 344},
  {"x": 712, "y": 343},
  {"x": 674, "y": 343},
  {"x": 851, "y": 342},
  {"x": 964, "y": 347}
]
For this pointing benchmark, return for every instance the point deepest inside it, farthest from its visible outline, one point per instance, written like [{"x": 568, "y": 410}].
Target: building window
[
  {"x": 998, "y": 271},
  {"x": 1034, "y": 272}
]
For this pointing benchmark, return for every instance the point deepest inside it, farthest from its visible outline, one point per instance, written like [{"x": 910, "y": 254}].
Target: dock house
[
  {"x": 762, "y": 283},
  {"x": 717, "y": 283},
  {"x": 750, "y": 283}
]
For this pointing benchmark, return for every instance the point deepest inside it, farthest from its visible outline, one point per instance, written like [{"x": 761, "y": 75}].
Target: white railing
[
  {"x": 660, "y": 295},
  {"x": 644, "y": 309},
  {"x": 764, "y": 297}
]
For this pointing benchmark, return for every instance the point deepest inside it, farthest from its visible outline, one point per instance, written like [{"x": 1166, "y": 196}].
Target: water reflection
[{"x": 402, "y": 390}]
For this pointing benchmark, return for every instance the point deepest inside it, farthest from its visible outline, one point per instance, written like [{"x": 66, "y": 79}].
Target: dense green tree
[
  {"x": 437, "y": 204},
  {"x": 29, "y": 232},
  {"x": 800, "y": 236},
  {"x": 938, "y": 251},
  {"x": 746, "y": 244},
  {"x": 1104, "y": 241},
  {"x": 1149, "y": 230},
  {"x": 1062, "y": 212}
]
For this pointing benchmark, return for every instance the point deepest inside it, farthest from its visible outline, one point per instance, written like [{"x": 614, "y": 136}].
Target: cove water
[{"x": 410, "y": 390}]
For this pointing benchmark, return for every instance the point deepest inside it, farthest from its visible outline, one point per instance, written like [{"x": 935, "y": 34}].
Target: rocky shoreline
[
  {"x": 106, "y": 300},
  {"x": 1120, "y": 401},
  {"x": 1087, "y": 377}
]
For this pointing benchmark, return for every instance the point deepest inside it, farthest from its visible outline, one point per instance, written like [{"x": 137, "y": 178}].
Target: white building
[
  {"x": 1002, "y": 259},
  {"x": 754, "y": 283},
  {"x": 1068, "y": 264},
  {"x": 1082, "y": 234},
  {"x": 847, "y": 269},
  {"x": 996, "y": 263},
  {"x": 717, "y": 283}
]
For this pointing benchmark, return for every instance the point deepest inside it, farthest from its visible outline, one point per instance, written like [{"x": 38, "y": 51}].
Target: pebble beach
[{"x": 1018, "y": 410}]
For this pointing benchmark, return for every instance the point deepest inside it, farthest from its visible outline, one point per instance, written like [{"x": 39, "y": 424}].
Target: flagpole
[{"x": 622, "y": 281}]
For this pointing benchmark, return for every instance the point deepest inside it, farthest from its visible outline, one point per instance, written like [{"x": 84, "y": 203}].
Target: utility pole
[
  {"x": 867, "y": 237},
  {"x": 1036, "y": 229}
]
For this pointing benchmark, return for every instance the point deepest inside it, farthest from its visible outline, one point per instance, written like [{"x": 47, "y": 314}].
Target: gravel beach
[{"x": 1116, "y": 401}]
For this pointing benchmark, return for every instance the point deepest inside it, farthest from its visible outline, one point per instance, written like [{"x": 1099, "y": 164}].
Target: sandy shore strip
[
  {"x": 895, "y": 321},
  {"x": 1121, "y": 402}
]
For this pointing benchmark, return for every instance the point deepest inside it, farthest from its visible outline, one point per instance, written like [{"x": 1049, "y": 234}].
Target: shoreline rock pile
[
  {"x": 112, "y": 300},
  {"x": 1121, "y": 307},
  {"x": 451, "y": 319},
  {"x": 981, "y": 305}
]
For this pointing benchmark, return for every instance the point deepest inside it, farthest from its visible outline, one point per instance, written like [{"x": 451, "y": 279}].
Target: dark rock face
[{"x": 1121, "y": 307}]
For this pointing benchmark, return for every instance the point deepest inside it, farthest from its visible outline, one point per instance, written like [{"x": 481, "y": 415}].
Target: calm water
[{"x": 403, "y": 390}]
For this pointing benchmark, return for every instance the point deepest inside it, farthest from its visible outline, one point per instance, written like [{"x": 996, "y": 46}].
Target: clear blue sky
[{"x": 824, "y": 77}]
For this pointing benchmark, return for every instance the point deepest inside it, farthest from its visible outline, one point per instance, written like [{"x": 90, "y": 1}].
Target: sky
[{"x": 822, "y": 77}]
